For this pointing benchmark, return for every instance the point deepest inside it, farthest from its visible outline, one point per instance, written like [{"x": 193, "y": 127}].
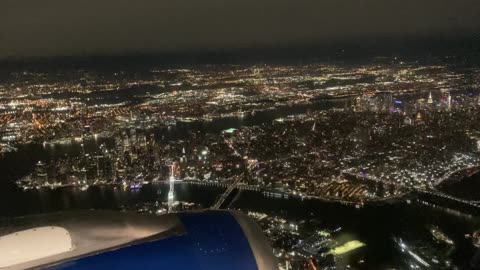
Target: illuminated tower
[
  {"x": 184, "y": 157},
  {"x": 449, "y": 101},
  {"x": 171, "y": 192},
  {"x": 430, "y": 99},
  {"x": 419, "y": 119},
  {"x": 40, "y": 176},
  {"x": 83, "y": 176}
]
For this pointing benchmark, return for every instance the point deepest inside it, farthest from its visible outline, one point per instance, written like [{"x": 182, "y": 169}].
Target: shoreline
[{"x": 279, "y": 194}]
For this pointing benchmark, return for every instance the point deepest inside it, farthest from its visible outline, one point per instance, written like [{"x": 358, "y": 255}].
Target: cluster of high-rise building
[{"x": 352, "y": 134}]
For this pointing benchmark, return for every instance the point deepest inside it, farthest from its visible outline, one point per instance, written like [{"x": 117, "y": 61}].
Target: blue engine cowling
[{"x": 203, "y": 240}]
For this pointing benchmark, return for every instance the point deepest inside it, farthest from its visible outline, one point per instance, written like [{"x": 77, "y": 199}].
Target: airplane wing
[{"x": 204, "y": 240}]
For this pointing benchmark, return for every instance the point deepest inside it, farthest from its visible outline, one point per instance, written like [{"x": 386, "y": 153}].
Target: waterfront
[
  {"x": 463, "y": 189},
  {"x": 374, "y": 224},
  {"x": 334, "y": 132},
  {"x": 384, "y": 143}
]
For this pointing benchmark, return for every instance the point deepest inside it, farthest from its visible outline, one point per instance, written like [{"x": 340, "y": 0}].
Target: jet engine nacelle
[{"x": 87, "y": 240}]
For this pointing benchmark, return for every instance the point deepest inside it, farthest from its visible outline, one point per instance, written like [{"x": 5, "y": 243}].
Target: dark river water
[{"x": 374, "y": 224}]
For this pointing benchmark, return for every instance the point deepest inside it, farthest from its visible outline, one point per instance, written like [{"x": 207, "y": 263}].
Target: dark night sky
[{"x": 66, "y": 27}]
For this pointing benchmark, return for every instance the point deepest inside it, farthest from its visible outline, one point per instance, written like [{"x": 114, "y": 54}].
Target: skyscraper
[{"x": 430, "y": 99}]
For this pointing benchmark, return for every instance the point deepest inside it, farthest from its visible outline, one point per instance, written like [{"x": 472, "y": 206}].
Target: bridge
[
  {"x": 432, "y": 190},
  {"x": 236, "y": 180},
  {"x": 436, "y": 193},
  {"x": 457, "y": 173},
  {"x": 463, "y": 172}
]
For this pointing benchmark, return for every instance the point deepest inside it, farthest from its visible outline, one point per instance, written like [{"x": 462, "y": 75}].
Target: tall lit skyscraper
[
  {"x": 449, "y": 101},
  {"x": 171, "y": 195}
]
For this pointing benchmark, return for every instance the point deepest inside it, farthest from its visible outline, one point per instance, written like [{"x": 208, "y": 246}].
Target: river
[{"x": 374, "y": 224}]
